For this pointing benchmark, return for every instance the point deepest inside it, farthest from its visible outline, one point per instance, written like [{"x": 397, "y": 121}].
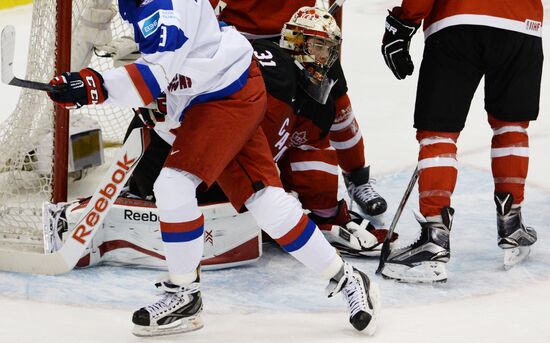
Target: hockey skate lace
[
  {"x": 163, "y": 305},
  {"x": 168, "y": 302},
  {"x": 353, "y": 293},
  {"x": 366, "y": 192}
]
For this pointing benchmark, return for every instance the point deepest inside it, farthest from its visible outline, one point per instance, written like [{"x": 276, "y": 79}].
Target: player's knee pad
[
  {"x": 275, "y": 211},
  {"x": 175, "y": 190}
]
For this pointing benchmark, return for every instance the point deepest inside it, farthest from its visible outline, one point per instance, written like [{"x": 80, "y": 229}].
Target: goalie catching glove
[
  {"x": 395, "y": 44},
  {"x": 78, "y": 89}
]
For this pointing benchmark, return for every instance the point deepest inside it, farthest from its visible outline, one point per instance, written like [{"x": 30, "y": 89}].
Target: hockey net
[
  {"x": 27, "y": 157},
  {"x": 32, "y": 167}
]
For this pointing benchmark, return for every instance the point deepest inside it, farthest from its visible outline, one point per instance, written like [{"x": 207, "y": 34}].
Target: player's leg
[
  {"x": 211, "y": 136},
  {"x": 512, "y": 96},
  {"x": 182, "y": 229},
  {"x": 347, "y": 139},
  {"x": 312, "y": 173},
  {"x": 449, "y": 75},
  {"x": 252, "y": 180},
  {"x": 509, "y": 163}
]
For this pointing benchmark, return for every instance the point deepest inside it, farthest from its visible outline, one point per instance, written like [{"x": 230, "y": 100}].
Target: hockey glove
[
  {"x": 395, "y": 46},
  {"x": 151, "y": 116},
  {"x": 78, "y": 89}
]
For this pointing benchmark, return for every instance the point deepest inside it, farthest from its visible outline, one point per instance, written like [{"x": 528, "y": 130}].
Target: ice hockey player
[
  {"x": 465, "y": 41},
  {"x": 264, "y": 19},
  {"x": 214, "y": 125},
  {"x": 300, "y": 113}
]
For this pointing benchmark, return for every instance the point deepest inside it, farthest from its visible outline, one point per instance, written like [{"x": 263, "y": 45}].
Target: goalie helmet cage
[{"x": 34, "y": 139}]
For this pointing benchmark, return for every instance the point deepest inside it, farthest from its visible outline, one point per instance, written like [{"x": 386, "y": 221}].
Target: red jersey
[
  {"x": 523, "y": 16},
  {"x": 258, "y": 18}
]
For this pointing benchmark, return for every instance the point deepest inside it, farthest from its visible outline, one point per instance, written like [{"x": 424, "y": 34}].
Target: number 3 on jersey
[
  {"x": 163, "y": 35},
  {"x": 265, "y": 58}
]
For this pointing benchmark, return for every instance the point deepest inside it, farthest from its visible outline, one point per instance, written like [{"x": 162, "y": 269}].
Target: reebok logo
[
  {"x": 88, "y": 222},
  {"x": 139, "y": 216},
  {"x": 208, "y": 237}
]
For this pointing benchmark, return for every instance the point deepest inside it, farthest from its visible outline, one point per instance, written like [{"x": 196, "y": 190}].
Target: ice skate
[
  {"x": 424, "y": 260},
  {"x": 351, "y": 234},
  {"x": 513, "y": 236},
  {"x": 362, "y": 297},
  {"x": 361, "y": 191},
  {"x": 179, "y": 310}
]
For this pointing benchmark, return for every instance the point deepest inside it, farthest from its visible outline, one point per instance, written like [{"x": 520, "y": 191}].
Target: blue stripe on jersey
[
  {"x": 150, "y": 79},
  {"x": 179, "y": 237},
  {"x": 301, "y": 240},
  {"x": 234, "y": 87}
]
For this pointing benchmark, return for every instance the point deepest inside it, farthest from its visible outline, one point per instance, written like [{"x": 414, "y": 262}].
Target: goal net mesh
[{"x": 26, "y": 138}]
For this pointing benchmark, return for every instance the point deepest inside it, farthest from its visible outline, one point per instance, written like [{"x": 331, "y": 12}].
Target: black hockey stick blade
[
  {"x": 8, "y": 53},
  {"x": 386, "y": 245},
  {"x": 335, "y": 6}
]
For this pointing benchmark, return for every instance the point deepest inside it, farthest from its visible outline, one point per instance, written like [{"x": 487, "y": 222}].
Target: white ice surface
[{"x": 278, "y": 299}]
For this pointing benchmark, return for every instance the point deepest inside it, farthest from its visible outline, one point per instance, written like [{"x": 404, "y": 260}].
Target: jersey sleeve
[
  {"x": 414, "y": 10},
  {"x": 164, "y": 43}
]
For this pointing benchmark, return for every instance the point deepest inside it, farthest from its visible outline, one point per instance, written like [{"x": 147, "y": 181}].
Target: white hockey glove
[
  {"x": 123, "y": 50},
  {"x": 95, "y": 23}
]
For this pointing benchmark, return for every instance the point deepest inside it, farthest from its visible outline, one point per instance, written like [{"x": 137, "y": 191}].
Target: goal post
[{"x": 61, "y": 127}]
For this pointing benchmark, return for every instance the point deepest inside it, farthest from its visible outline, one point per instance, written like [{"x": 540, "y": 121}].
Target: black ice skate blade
[{"x": 355, "y": 253}]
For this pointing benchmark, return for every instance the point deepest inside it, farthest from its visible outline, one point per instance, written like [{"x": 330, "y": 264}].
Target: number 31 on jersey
[{"x": 265, "y": 58}]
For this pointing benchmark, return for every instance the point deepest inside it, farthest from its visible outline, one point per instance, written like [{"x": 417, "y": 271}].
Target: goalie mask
[{"x": 313, "y": 38}]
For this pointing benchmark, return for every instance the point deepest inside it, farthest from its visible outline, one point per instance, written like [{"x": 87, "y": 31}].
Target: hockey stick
[
  {"x": 67, "y": 257},
  {"x": 335, "y": 6},
  {"x": 8, "y": 52},
  {"x": 386, "y": 246}
]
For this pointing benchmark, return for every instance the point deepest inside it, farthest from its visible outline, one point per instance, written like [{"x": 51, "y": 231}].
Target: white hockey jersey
[{"x": 185, "y": 54}]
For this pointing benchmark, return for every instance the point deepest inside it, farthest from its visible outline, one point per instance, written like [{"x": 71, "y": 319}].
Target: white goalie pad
[{"x": 130, "y": 235}]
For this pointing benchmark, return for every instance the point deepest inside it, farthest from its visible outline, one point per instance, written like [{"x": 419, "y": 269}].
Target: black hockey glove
[
  {"x": 151, "y": 116},
  {"x": 395, "y": 46},
  {"x": 78, "y": 89}
]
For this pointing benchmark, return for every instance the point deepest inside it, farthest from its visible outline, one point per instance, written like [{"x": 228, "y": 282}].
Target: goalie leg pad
[{"x": 131, "y": 236}]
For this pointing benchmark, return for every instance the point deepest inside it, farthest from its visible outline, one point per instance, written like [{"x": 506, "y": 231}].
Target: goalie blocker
[{"x": 130, "y": 235}]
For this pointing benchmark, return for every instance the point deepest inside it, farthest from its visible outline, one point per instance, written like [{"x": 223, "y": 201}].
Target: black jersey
[{"x": 285, "y": 81}]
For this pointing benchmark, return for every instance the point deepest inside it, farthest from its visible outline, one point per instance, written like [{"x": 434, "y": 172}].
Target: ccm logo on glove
[{"x": 78, "y": 89}]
